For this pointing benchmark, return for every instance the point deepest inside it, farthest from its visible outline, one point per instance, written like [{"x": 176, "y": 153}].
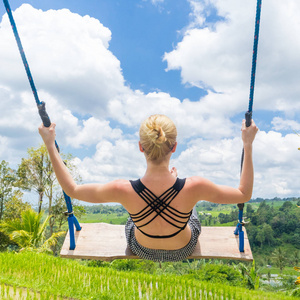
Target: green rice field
[{"x": 32, "y": 275}]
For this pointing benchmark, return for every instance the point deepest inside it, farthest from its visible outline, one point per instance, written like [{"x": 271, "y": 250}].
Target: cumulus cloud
[
  {"x": 211, "y": 159},
  {"x": 92, "y": 131},
  {"x": 18, "y": 115},
  {"x": 277, "y": 163},
  {"x": 74, "y": 72},
  {"x": 281, "y": 124},
  {"x": 217, "y": 56},
  {"x": 113, "y": 160},
  {"x": 191, "y": 118},
  {"x": 68, "y": 55}
]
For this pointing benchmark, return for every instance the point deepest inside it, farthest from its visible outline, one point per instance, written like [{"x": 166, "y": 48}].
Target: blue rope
[
  {"x": 248, "y": 116},
  {"x": 14, "y": 27},
  {"x": 254, "y": 57},
  {"x": 46, "y": 121}
]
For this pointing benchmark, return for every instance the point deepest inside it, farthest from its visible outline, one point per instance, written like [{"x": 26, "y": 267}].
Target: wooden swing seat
[{"x": 107, "y": 242}]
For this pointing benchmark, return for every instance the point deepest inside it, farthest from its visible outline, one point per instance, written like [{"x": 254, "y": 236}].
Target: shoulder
[
  {"x": 120, "y": 185},
  {"x": 200, "y": 186},
  {"x": 196, "y": 181},
  {"x": 115, "y": 191},
  {"x": 123, "y": 191}
]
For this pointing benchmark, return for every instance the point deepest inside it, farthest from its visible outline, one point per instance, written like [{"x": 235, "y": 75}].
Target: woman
[{"x": 162, "y": 225}]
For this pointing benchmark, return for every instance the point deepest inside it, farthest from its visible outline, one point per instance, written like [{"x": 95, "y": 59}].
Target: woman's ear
[
  {"x": 174, "y": 147},
  {"x": 140, "y": 146}
]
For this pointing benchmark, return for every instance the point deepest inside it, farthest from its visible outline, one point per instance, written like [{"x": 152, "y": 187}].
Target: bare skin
[{"x": 158, "y": 178}]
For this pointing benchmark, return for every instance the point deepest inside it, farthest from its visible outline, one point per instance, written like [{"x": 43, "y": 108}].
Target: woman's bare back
[{"x": 161, "y": 221}]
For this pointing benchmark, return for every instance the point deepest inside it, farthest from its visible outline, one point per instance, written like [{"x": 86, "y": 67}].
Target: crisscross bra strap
[{"x": 161, "y": 206}]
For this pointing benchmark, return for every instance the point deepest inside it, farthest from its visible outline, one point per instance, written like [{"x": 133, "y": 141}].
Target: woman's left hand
[{"x": 48, "y": 134}]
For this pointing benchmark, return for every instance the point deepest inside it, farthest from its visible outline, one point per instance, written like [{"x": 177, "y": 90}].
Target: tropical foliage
[
  {"x": 7, "y": 178},
  {"x": 29, "y": 231},
  {"x": 35, "y": 173},
  {"x": 251, "y": 275},
  {"x": 275, "y": 226}
]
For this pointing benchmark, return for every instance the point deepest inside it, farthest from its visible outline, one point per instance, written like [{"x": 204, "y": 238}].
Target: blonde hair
[{"x": 157, "y": 136}]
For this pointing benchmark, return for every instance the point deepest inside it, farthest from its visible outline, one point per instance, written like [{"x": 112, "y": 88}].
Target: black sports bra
[{"x": 160, "y": 205}]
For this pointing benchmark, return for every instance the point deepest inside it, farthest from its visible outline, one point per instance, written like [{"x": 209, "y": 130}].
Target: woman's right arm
[
  {"x": 95, "y": 193},
  {"x": 209, "y": 191}
]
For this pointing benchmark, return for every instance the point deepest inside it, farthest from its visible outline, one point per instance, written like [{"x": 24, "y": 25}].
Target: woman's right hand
[
  {"x": 174, "y": 172},
  {"x": 248, "y": 133}
]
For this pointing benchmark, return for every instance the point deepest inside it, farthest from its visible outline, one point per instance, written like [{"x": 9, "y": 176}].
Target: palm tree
[
  {"x": 279, "y": 258},
  {"x": 250, "y": 274},
  {"x": 295, "y": 257},
  {"x": 29, "y": 231}
]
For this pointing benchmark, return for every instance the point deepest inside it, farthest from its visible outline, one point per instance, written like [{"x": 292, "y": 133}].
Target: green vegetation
[
  {"x": 74, "y": 279},
  {"x": 7, "y": 178},
  {"x": 112, "y": 214},
  {"x": 29, "y": 233},
  {"x": 35, "y": 174}
]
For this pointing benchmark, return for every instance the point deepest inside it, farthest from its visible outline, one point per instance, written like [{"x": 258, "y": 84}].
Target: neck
[{"x": 157, "y": 169}]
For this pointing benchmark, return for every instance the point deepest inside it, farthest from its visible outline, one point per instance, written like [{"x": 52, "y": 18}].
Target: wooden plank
[
  {"x": 220, "y": 242},
  {"x": 107, "y": 242}
]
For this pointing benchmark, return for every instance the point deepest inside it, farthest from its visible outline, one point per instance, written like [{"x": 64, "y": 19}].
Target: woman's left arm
[{"x": 95, "y": 193}]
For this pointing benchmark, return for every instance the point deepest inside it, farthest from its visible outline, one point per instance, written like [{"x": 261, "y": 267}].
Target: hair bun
[
  {"x": 161, "y": 136},
  {"x": 156, "y": 134}
]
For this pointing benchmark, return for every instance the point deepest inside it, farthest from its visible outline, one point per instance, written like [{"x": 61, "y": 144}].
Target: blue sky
[{"x": 104, "y": 66}]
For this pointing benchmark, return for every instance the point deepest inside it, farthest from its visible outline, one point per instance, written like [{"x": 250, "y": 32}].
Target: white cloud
[
  {"x": 281, "y": 124},
  {"x": 15, "y": 109},
  {"x": 214, "y": 160},
  {"x": 191, "y": 118},
  {"x": 121, "y": 159},
  {"x": 92, "y": 131},
  {"x": 3, "y": 146},
  {"x": 277, "y": 164},
  {"x": 155, "y": 2},
  {"x": 218, "y": 56},
  {"x": 74, "y": 72},
  {"x": 68, "y": 55}
]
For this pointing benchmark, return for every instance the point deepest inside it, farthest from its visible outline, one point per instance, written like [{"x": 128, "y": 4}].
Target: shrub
[{"x": 218, "y": 274}]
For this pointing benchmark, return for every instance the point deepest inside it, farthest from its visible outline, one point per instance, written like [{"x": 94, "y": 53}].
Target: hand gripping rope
[
  {"x": 248, "y": 116},
  {"x": 72, "y": 221}
]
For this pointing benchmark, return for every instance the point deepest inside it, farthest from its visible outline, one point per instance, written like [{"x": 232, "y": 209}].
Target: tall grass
[{"x": 68, "y": 278}]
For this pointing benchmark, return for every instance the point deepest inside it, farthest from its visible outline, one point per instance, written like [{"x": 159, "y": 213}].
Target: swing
[
  {"x": 107, "y": 242},
  {"x": 103, "y": 241}
]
